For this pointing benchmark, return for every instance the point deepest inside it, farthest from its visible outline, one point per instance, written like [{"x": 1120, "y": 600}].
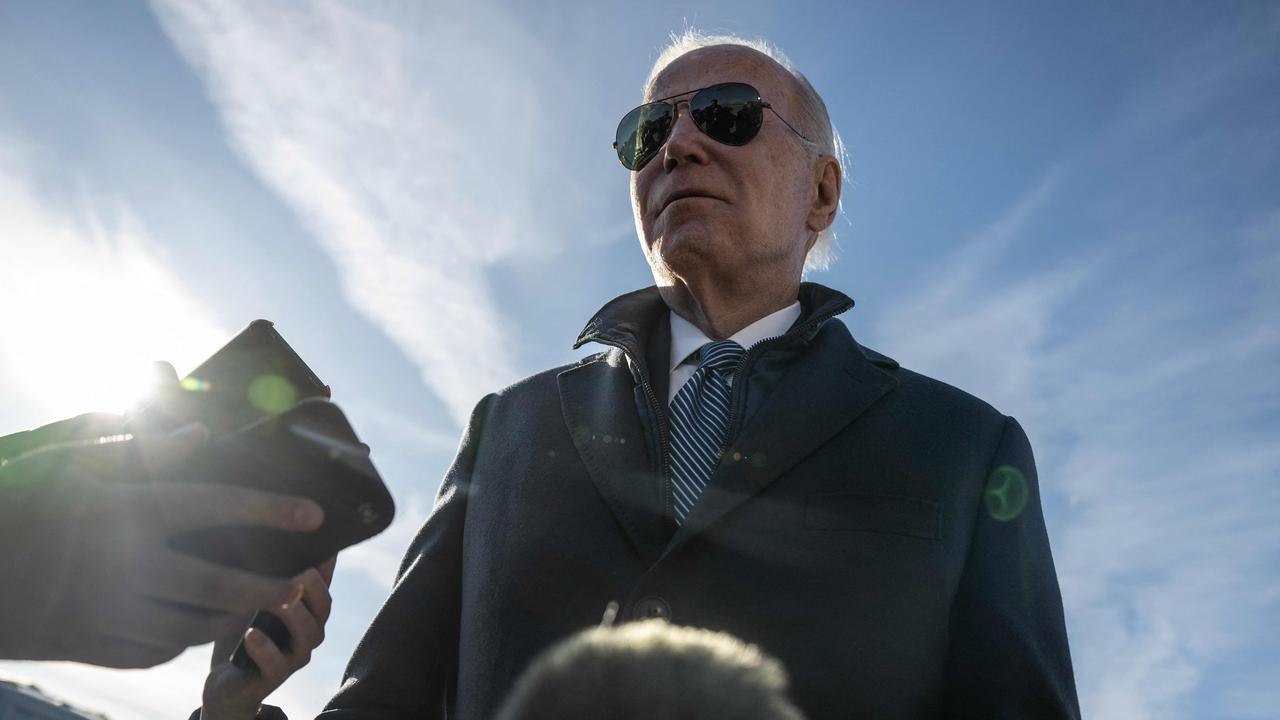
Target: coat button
[{"x": 651, "y": 608}]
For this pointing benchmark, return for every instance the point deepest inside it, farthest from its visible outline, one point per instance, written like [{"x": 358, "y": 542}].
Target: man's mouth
[{"x": 686, "y": 195}]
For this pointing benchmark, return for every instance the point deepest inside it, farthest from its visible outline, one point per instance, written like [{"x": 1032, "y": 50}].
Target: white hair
[{"x": 813, "y": 118}]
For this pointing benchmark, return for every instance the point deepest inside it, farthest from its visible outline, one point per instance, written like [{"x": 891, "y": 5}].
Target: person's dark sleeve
[
  {"x": 80, "y": 427},
  {"x": 406, "y": 664},
  {"x": 1008, "y": 656}
]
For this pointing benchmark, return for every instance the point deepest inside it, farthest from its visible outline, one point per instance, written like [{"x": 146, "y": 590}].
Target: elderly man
[{"x": 733, "y": 460}]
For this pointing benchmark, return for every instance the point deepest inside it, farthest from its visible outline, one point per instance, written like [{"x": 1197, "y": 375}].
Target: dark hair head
[{"x": 650, "y": 670}]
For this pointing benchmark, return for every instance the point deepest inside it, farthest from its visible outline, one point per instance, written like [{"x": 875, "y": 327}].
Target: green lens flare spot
[
  {"x": 1006, "y": 493},
  {"x": 272, "y": 394},
  {"x": 194, "y": 384}
]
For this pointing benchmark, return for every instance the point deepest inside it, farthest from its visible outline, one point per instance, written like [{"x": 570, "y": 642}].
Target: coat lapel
[
  {"x": 599, "y": 405},
  {"x": 827, "y": 387}
]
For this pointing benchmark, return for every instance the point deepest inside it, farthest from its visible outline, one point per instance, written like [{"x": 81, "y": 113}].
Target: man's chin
[
  {"x": 678, "y": 260},
  {"x": 685, "y": 270},
  {"x": 688, "y": 249}
]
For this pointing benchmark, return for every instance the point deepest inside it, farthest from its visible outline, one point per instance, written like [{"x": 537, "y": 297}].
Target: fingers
[
  {"x": 126, "y": 654},
  {"x": 326, "y": 569},
  {"x": 199, "y": 505},
  {"x": 166, "y": 624},
  {"x": 162, "y": 453},
  {"x": 181, "y": 578},
  {"x": 306, "y": 631},
  {"x": 224, "y": 647},
  {"x": 304, "y": 617},
  {"x": 162, "y": 382},
  {"x": 315, "y": 593},
  {"x": 163, "y": 376},
  {"x": 271, "y": 663}
]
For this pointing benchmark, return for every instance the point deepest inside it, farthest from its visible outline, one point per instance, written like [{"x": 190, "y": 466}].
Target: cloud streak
[{"x": 404, "y": 144}]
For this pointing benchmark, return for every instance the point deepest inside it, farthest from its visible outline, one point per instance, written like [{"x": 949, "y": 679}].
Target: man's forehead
[{"x": 718, "y": 63}]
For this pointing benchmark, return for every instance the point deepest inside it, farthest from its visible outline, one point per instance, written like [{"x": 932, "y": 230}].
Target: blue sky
[{"x": 1068, "y": 209}]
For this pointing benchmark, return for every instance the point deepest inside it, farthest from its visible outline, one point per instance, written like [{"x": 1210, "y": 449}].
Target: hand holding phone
[
  {"x": 89, "y": 540},
  {"x": 311, "y": 451},
  {"x": 273, "y": 429},
  {"x": 232, "y": 691}
]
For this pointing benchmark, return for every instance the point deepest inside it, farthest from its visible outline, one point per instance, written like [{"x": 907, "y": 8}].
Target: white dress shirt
[{"x": 686, "y": 339}]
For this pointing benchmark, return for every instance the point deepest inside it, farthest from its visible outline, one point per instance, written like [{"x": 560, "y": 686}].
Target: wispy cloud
[
  {"x": 951, "y": 327},
  {"x": 406, "y": 146}
]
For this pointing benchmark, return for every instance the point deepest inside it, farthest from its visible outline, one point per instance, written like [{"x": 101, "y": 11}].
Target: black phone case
[
  {"x": 255, "y": 375},
  {"x": 309, "y": 450}
]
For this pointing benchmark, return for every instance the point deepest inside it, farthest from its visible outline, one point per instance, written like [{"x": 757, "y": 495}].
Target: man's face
[{"x": 705, "y": 210}]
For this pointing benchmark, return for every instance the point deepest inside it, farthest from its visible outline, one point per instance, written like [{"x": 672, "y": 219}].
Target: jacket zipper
[
  {"x": 735, "y": 409},
  {"x": 739, "y": 394}
]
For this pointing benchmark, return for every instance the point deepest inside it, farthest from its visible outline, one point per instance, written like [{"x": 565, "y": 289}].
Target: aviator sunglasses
[{"x": 729, "y": 113}]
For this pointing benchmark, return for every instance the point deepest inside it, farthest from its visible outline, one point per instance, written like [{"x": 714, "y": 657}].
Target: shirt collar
[{"x": 686, "y": 337}]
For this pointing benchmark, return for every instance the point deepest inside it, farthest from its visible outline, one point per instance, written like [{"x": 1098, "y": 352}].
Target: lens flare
[
  {"x": 193, "y": 384},
  {"x": 272, "y": 394},
  {"x": 1006, "y": 493}
]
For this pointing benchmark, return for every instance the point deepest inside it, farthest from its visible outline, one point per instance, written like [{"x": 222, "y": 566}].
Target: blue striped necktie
[{"x": 698, "y": 416}]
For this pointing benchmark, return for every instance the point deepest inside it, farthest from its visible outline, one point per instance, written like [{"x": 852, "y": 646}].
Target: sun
[{"x": 85, "y": 311}]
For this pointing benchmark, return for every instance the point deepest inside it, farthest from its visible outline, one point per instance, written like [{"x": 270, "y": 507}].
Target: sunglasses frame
[{"x": 675, "y": 118}]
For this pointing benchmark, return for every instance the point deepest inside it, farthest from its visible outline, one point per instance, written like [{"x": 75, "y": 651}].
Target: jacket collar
[
  {"x": 829, "y": 386},
  {"x": 628, "y": 320}
]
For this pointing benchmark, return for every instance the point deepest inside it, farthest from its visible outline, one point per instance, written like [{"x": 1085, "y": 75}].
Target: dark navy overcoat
[{"x": 878, "y": 531}]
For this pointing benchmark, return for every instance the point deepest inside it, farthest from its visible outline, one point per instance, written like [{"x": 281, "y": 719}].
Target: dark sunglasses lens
[
  {"x": 730, "y": 113},
  {"x": 642, "y": 132}
]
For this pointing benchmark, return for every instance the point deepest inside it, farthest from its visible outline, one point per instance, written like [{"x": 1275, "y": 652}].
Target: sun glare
[
  {"x": 90, "y": 344},
  {"x": 87, "y": 311}
]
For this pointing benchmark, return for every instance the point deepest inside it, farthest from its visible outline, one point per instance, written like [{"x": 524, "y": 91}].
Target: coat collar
[
  {"x": 831, "y": 384},
  {"x": 629, "y": 320}
]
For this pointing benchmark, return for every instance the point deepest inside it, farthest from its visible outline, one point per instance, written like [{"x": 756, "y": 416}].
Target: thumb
[
  {"x": 162, "y": 453},
  {"x": 163, "y": 376},
  {"x": 154, "y": 410},
  {"x": 226, "y": 644}
]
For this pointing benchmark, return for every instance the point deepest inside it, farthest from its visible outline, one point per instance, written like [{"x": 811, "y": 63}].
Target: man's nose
[{"x": 686, "y": 144}]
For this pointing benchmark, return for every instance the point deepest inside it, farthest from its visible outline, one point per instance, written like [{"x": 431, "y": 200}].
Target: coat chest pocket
[{"x": 890, "y": 514}]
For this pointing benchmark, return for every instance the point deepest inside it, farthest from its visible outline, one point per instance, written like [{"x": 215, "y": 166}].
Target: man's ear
[{"x": 826, "y": 201}]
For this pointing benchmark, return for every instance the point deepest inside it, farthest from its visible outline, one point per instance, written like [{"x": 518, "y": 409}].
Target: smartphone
[
  {"x": 254, "y": 376},
  {"x": 309, "y": 450}
]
